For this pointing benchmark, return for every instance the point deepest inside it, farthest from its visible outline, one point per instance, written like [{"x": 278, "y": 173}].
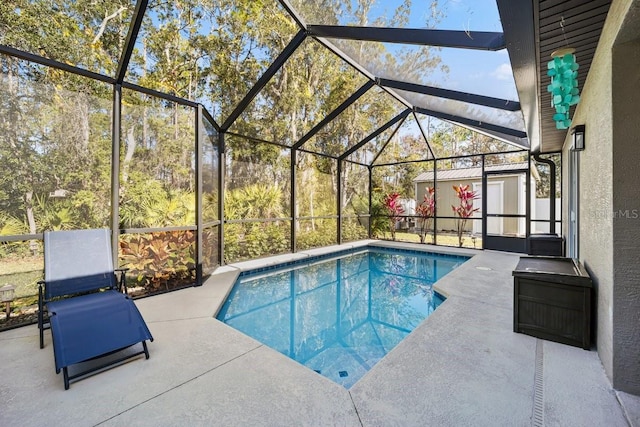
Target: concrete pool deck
[{"x": 463, "y": 366}]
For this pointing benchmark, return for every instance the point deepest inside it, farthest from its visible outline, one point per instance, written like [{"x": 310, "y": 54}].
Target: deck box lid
[{"x": 553, "y": 269}]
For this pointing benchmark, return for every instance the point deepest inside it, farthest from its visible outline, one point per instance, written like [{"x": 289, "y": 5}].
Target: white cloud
[{"x": 503, "y": 72}]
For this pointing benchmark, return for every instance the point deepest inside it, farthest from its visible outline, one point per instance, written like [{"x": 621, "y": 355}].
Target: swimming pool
[{"x": 339, "y": 314}]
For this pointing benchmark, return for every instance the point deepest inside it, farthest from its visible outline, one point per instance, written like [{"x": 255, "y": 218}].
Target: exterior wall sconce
[
  {"x": 577, "y": 134},
  {"x": 7, "y": 294},
  {"x": 563, "y": 70}
]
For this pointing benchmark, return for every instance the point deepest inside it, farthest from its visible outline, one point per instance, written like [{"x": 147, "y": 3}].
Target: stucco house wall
[{"x": 609, "y": 227}]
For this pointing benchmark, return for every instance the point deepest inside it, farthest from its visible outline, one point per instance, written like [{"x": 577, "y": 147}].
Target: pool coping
[
  {"x": 280, "y": 260},
  {"x": 463, "y": 365},
  {"x": 380, "y": 396},
  {"x": 273, "y": 264}
]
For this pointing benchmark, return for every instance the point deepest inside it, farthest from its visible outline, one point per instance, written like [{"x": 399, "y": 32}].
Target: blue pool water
[{"x": 338, "y": 315}]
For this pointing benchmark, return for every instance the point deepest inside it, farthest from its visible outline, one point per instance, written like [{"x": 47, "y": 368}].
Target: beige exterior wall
[
  {"x": 446, "y": 198},
  {"x": 609, "y": 234}
]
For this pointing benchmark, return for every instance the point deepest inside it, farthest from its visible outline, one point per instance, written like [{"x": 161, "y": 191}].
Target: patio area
[{"x": 464, "y": 365}]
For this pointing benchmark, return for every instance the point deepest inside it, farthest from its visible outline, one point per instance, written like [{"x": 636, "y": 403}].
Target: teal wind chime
[{"x": 563, "y": 70}]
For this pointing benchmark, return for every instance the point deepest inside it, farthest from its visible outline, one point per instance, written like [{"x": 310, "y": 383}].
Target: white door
[{"x": 495, "y": 205}]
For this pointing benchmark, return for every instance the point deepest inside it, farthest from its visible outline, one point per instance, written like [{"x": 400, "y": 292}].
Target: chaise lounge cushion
[{"x": 92, "y": 325}]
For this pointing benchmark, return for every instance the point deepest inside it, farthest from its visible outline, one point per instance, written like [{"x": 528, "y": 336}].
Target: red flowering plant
[
  {"x": 394, "y": 209},
  {"x": 426, "y": 211},
  {"x": 465, "y": 209}
]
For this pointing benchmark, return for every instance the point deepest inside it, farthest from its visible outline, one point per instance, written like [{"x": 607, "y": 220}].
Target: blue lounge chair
[{"x": 88, "y": 313}]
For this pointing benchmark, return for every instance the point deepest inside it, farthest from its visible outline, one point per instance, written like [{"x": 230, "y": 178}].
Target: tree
[
  {"x": 543, "y": 187},
  {"x": 55, "y": 127}
]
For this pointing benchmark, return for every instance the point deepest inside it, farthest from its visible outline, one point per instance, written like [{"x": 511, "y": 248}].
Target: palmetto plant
[
  {"x": 54, "y": 215},
  {"x": 10, "y": 225},
  {"x": 263, "y": 201},
  {"x": 378, "y": 221},
  {"x": 465, "y": 209},
  {"x": 177, "y": 208}
]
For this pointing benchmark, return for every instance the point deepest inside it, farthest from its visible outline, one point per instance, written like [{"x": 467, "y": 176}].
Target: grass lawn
[
  {"x": 23, "y": 273},
  {"x": 443, "y": 239}
]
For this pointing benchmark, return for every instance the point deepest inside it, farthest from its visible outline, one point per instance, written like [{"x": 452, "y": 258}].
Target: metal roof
[{"x": 466, "y": 173}]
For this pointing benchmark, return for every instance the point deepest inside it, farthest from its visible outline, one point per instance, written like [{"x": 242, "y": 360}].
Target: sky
[
  {"x": 480, "y": 72},
  {"x": 474, "y": 71}
]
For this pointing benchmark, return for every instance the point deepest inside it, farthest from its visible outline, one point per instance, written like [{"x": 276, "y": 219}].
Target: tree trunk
[
  {"x": 461, "y": 223},
  {"x": 313, "y": 222},
  {"x": 28, "y": 204},
  {"x": 131, "y": 147},
  {"x": 295, "y": 209},
  {"x": 84, "y": 122}
]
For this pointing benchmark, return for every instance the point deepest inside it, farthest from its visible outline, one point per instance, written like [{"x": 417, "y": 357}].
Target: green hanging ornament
[{"x": 564, "y": 85}]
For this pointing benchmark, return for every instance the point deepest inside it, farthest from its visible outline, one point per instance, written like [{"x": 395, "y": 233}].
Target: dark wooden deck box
[
  {"x": 545, "y": 244},
  {"x": 552, "y": 300}
]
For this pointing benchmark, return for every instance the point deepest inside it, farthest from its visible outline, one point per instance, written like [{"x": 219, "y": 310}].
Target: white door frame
[
  {"x": 477, "y": 225},
  {"x": 522, "y": 204},
  {"x": 574, "y": 204}
]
